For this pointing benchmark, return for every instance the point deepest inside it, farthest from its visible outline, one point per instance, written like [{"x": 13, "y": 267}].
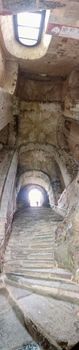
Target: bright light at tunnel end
[{"x": 35, "y": 198}]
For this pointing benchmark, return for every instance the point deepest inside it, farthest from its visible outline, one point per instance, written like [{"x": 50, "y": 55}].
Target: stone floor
[
  {"x": 57, "y": 320},
  {"x": 12, "y": 332}
]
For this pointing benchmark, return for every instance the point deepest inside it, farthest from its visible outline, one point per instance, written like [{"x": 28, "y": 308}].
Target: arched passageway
[
  {"x": 37, "y": 179},
  {"x": 32, "y": 196}
]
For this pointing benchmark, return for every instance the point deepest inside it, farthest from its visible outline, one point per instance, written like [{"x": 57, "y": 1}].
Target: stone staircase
[
  {"x": 30, "y": 249},
  {"x": 46, "y": 296},
  {"x": 29, "y": 258}
]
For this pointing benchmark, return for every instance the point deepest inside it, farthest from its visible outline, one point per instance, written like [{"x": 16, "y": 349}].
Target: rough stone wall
[
  {"x": 38, "y": 87},
  {"x": 7, "y": 196},
  {"x": 2, "y": 65},
  {"x": 42, "y": 134},
  {"x": 67, "y": 234},
  {"x": 65, "y": 9},
  {"x": 33, "y": 132},
  {"x": 6, "y": 6},
  {"x": 5, "y": 108},
  {"x": 37, "y": 122},
  {"x": 43, "y": 124},
  {"x": 4, "y": 133},
  {"x": 9, "y": 77},
  {"x": 63, "y": 123}
]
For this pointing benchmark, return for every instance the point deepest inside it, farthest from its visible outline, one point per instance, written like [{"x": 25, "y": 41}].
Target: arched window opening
[{"x": 28, "y": 27}]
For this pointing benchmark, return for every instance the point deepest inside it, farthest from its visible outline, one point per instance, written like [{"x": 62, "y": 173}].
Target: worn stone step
[
  {"x": 31, "y": 238},
  {"x": 31, "y": 244},
  {"x": 38, "y": 254},
  {"x": 50, "y": 274},
  {"x": 68, "y": 291},
  {"x": 29, "y": 255},
  {"x": 32, "y": 247},
  {"x": 12, "y": 331},
  {"x": 39, "y": 249},
  {"x": 13, "y": 266},
  {"x": 39, "y": 236},
  {"x": 30, "y": 213},
  {"x": 56, "y": 319},
  {"x": 19, "y": 259}
]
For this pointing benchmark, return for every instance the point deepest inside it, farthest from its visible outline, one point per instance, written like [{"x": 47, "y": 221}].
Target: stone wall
[
  {"x": 5, "y": 108},
  {"x": 43, "y": 131},
  {"x": 41, "y": 158},
  {"x": 67, "y": 238},
  {"x": 7, "y": 197},
  {"x": 65, "y": 10},
  {"x": 39, "y": 87},
  {"x": 42, "y": 136},
  {"x": 38, "y": 122}
]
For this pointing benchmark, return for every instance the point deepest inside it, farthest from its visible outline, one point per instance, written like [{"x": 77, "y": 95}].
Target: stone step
[
  {"x": 30, "y": 243},
  {"x": 54, "y": 319},
  {"x": 31, "y": 251},
  {"x": 17, "y": 266},
  {"x": 39, "y": 249},
  {"x": 32, "y": 254},
  {"x": 60, "y": 290},
  {"x": 31, "y": 238},
  {"x": 12, "y": 331},
  {"x": 30, "y": 261},
  {"x": 50, "y": 274},
  {"x": 44, "y": 236},
  {"x": 33, "y": 244},
  {"x": 38, "y": 254},
  {"x": 32, "y": 233},
  {"x": 40, "y": 213}
]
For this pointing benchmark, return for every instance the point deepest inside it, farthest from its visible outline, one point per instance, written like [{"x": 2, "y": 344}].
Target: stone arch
[
  {"x": 37, "y": 178},
  {"x": 51, "y": 156}
]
